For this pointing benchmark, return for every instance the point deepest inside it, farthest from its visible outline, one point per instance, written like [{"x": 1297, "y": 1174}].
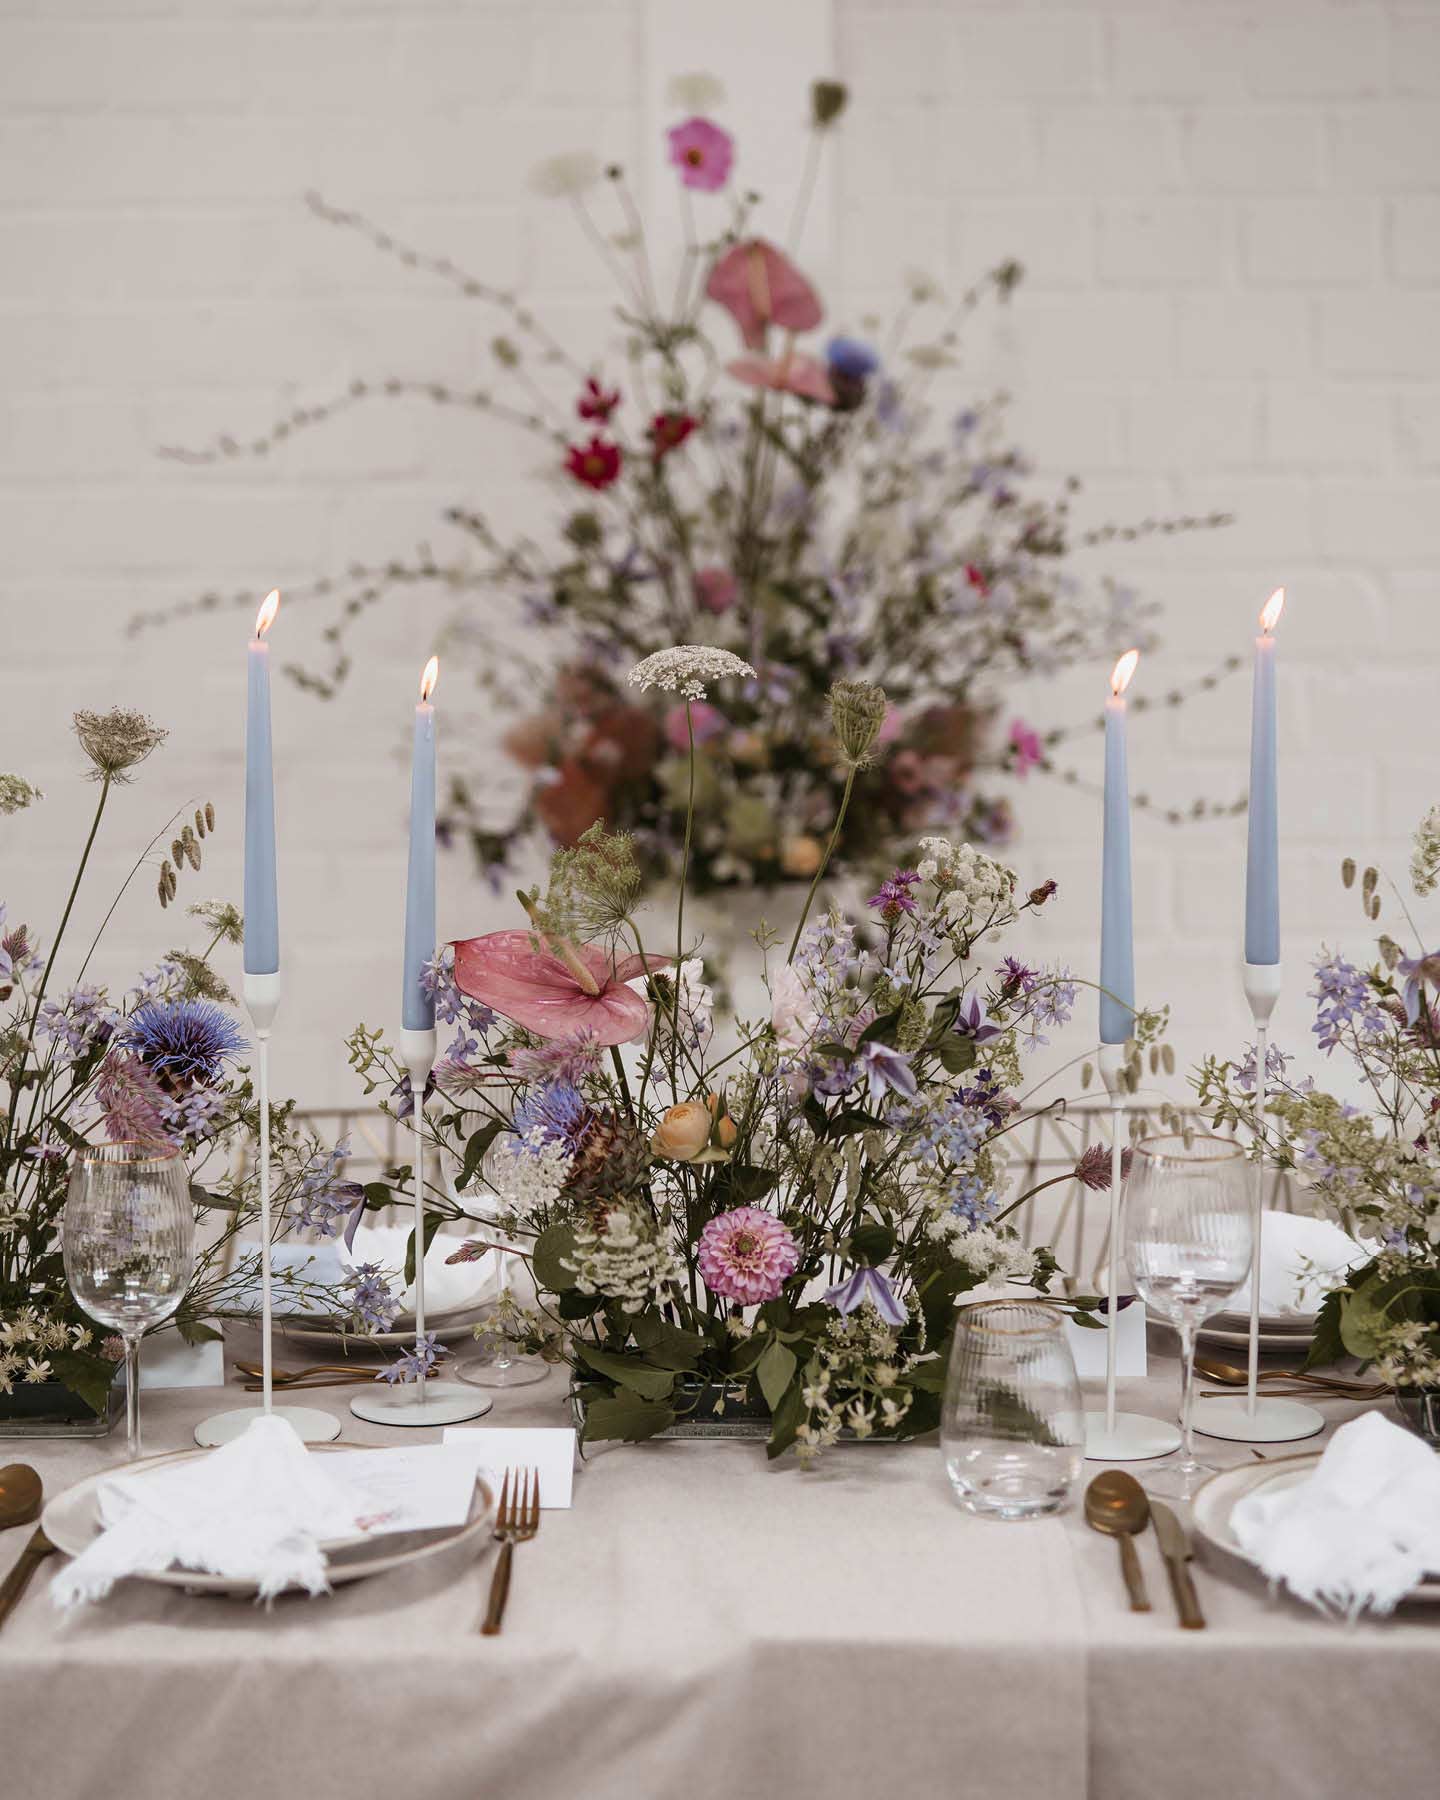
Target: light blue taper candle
[
  {"x": 262, "y": 911},
  {"x": 1262, "y": 861},
  {"x": 417, "y": 1006},
  {"x": 1117, "y": 931}
]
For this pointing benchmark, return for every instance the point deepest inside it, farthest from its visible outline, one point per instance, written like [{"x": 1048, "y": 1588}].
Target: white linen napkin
[
  {"x": 1301, "y": 1259},
  {"x": 449, "y": 1287},
  {"x": 255, "y": 1509},
  {"x": 1358, "y": 1533}
]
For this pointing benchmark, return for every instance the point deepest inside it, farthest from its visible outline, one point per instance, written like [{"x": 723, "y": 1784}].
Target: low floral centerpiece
[
  {"x": 1373, "y": 1161},
  {"x": 158, "y": 1066},
  {"x": 741, "y": 466},
  {"x": 781, "y": 1217}
]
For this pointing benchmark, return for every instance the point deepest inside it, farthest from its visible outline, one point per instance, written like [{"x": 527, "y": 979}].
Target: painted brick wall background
[{"x": 1230, "y": 217}]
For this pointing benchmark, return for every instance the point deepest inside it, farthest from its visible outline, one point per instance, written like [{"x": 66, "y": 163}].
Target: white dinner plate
[
  {"x": 1217, "y": 1499},
  {"x": 72, "y": 1523},
  {"x": 1278, "y": 1332},
  {"x": 449, "y": 1328}
]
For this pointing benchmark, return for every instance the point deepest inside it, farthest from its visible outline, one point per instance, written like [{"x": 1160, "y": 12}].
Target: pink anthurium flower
[
  {"x": 788, "y": 374},
  {"x": 557, "y": 989},
  {"x": 759, "y": 286}
]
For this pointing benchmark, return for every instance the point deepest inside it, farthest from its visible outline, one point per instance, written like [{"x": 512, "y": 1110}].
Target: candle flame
[
  {"x": 265, "y": 618},
  {"x": 1123, "y": 670},
  {"x": 429, "y": 678},
  {"x": 1271, "y": 611}
]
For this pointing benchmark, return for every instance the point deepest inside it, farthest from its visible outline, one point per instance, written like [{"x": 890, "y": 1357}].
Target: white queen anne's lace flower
[
  {"x": 687, "y": 668},
  {"x": 969, "y": 881},
  {"x": 564, "y": 176},
  {"x": 698, "y": 92},
  {"x": 527, "y": 1172},
  {"x": 1425, "y": 856}
]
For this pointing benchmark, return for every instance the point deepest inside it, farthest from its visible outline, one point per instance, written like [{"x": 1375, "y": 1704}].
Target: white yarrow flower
[
  {"x": 1425, "y": 856},
  {"x": 687, "y": 668},
  {"x": 567, "y": 175},
  {"x": 695, "y": 92}
]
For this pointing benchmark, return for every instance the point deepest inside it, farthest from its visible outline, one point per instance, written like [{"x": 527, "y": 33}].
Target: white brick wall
[{"x": 1231, "y": 220}]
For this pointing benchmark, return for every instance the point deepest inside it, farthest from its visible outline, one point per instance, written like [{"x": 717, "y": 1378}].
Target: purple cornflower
[
  {"x": 372, "y": 1303},
  {"x": 1018, "y": 975},
  {"x": 887, "y": 1070},
  {"x": 183, "y": 1040},
  {"x": 893, "y": 897},
  {"x": 326, "y": 1200},
  {"x": 554, "y": 1114},
  {"x": 422, "y": 1360}
]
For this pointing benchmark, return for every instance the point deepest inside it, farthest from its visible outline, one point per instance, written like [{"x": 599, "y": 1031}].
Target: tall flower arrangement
[
  {"x": 157, "y": 1065},
  {"x": 1376, "y": 1165},
  {"x": 737, "y": 470},
  {"x": 788, "y": 1212}
]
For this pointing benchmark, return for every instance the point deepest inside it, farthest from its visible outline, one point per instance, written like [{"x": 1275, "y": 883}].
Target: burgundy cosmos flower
[
  {"x": 597, "y": 463},
  {"x": 668, "y": 431},
  {"x": 597, "y": 402}
]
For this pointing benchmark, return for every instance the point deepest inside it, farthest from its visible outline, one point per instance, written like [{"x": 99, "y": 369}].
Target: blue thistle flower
[
  {"x": 559, "y": 1112},
  {"x": 184, "y": 1040}
]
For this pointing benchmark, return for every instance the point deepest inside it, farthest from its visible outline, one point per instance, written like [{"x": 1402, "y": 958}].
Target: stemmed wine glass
[
  {"x": 128, "y": 1235},
  {"x": 1189, "y": 1241}
]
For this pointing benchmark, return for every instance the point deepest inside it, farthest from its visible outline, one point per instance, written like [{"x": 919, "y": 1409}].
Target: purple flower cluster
[
  {"x": 972, "y": 1199},
  {"x": 1344, "y": 1000},
  {"x": 423, "y": 1360},
  {"x": 82, "y": 1021},
  {"x": 372, "y": 1304},
  {"x": 451, "y": 1006},
  {"x": 325, "y": 1199},
  {"x": 894, "y": 896}
]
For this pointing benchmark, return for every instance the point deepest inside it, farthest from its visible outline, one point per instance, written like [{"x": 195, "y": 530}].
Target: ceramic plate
[
  {"x": 1216, "y": 1500},
  {"x": 449, "y": 1328},
  {"x": 72, "y": 1523},
  {"x": 1239, "y": 1339}
]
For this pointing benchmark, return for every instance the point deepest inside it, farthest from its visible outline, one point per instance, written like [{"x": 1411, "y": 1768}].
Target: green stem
[
  {"x": 824, "y": 861},
  {"x": 680, "y": 905}
]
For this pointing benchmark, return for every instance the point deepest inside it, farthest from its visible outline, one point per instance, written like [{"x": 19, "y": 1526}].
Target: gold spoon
[
  {"x": 283, "y": 1377},
  {"x": 20, "y": 1495},
  {"x": 1216, "y": 1370},
  {"x": 1116, "y": 1505}
]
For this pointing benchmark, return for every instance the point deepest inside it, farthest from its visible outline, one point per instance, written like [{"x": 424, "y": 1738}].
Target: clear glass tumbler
[
  {"x": 1189, "y": 1240},
  {"x": 128, "y": 1236},
  {"x": 1012, "y": 1428}
]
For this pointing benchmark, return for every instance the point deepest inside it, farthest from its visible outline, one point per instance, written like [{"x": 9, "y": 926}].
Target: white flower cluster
[
  {"x": 566, "y": 175},
  {"x": 990, "y": 1254},
  {"x": 969, "y": 881},
  {"x": 1425, "y": 855},
  {"x": 25, "y": 1338},
  {"x": 16, "y": 794},
  {"x": 527, "y": 1172},
  {"x": 686, "y": 669},
  {"x": 623, "y": 1260}
]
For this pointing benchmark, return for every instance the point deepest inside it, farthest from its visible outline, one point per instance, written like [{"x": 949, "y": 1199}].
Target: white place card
[
  {"x": 1088, "y": 1346},
  {"x": 550, "y": 1449},
  {"x": 409, "y": 1489}
]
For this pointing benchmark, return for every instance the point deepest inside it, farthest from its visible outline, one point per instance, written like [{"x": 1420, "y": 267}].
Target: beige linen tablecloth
[{"x": 702, "y": 1624}]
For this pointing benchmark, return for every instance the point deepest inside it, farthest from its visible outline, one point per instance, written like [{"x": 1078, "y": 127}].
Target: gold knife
[
  {"x": 16, "y": 1582},
  {"x": 1175, "y": 1548}
]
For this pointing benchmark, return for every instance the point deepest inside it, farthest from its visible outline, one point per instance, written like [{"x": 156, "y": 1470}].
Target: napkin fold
[
  {"x": 1361, "y": 1531},
  {"x": 1301, "y": 1259},
  {"x": 258, "y": 1509}
]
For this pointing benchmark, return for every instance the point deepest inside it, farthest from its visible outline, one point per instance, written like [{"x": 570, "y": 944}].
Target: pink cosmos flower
[
  {"x": 747, "y": 1255},
  {"x": 715, "y": 589},
  {"x": 1025, "y": 747},
  {"x": 703, "y": 153},
  {"x": 759, "y": 286},
  {"x": 556, "y": 991},
  {"x": 709, "y": 722},
  {"x": 789, "y": 374}
]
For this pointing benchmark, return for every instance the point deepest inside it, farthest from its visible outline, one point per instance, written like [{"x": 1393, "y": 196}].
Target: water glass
[
  {"x": 1189, "y": 1241},
  {"x": 128, "y": 1236},
  {"x": 1012, "y": 1429}
]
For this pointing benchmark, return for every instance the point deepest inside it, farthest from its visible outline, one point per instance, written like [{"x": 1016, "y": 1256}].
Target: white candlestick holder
[
  {"x": 1112, "y": 1435},
  {"x": 423, "y": 1402},
  {"x": 262, "y": 1000},
  {"x": 1254, "y": 1420}
]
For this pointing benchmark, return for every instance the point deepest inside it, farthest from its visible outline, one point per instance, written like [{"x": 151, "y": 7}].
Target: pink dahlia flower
[
  {"x": 703, "y": 153},
  {"x": 747, "y": 1255}
]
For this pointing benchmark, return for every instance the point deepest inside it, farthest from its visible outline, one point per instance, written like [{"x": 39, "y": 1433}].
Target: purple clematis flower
[
  {"x": 863, "y": 1285},
  {"x": 1419, "y": 971},
  {"x": 884, "y": 1068},
  {"x": 971, "y": 1022}
]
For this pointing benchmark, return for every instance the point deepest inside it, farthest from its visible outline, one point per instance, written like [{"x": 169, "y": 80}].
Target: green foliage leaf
[
  {"x": 775, "y": 1371},
  {"x": 196, "y": 1331},
  {"x": 625, "y": 1416},
  {"x": 853, "y": 1119},
  {"x": 881, "y": 1030},
  {"x": 929, "y": 1377},
  {"x": 872, "y": 1243},
  {"x": 88, "y": 1376},
  {"x": 432, "y": 1225},
  {"x": 957, "y": 1054},
  {"x": 741, "y": 1184},
  {"x": 787, "y": 1418},
  {"x": 639, "y": 1377},
  {"x": 553, "y": 1248},
  {"x": 1327, "y": 1345},
  {"x": 666, "y": 1345},
  {"x": 479, "y": 1142}
]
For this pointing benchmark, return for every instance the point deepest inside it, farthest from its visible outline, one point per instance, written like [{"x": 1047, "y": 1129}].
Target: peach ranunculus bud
[
  {"x": 726, "y": 1132},
  {"x": 683, "y": 1132}
]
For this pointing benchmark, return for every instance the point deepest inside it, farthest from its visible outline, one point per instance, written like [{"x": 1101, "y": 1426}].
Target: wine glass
[
  {"x": 1012, "y": 1426},
  {"x": 128, "y": 1235},
  {"x": 1189, "y": 1241},
  {"x": 504, "y": 1369}
]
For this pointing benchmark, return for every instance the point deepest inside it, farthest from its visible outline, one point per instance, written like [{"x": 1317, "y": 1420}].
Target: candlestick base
[
  {"x": 1272, "y": 1422},
  {"x": 1262, "y": 989},
  {"x": 444, "y": 1403},
  {"x": 1135, "y": 1438},
  {"x": 309, "y": 1424}
]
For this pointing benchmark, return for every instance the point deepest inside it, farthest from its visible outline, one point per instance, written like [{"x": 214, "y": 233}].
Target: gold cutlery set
[
  {"x": 1303, "y": 1383},
  {"x": 1117, "y": 1506}
]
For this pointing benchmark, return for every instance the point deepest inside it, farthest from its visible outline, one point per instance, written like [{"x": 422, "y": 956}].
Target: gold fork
[{"x": 517, "y": 1519}]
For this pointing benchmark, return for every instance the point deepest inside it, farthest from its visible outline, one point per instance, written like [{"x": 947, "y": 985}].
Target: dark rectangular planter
[{"x": 46, "y": 1409}]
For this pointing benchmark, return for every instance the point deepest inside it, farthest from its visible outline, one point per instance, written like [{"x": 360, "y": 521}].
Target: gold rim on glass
[
  {"x": 110, "y": 1153},
  {"x": 1189, "y": 1150},
  {"x": 1045, "y": 1323}
]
